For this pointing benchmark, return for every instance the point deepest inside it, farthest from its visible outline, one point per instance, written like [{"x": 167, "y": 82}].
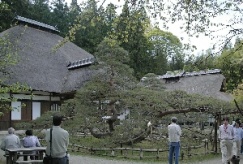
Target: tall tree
[
  {"x": 91, "y": 26},
  {"x": 18, "y": 7},
  {"x": 9, "y": 10},
  {"x": 39, "y": 10},
  {"x": 5, "y": 12},
  {"x": 202, "y": 61},
  {"x": 60, "y": 16},
  {"x": 110, "y": 15},
  {"x": 231, "y": 64},
  {"x": 166, "y": 50},
  {"x": 129, "y": 30}
]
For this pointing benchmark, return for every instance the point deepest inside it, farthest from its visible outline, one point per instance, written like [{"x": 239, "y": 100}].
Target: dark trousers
[{"x": 63, "y": 160}]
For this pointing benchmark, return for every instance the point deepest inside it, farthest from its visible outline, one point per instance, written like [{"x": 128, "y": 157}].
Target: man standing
[
  {"x": 11, "y": 140},
  {"x": 238, "y": 132},
  {"x": 174, "y": 132},
  {"x": 226, "y": 135},
  {"x": 57, "y": 142}
]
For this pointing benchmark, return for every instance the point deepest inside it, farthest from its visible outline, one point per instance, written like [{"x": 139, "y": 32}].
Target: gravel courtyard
[{"x": 91, "y": 160}]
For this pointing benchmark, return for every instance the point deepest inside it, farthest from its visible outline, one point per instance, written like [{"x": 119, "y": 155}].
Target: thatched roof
[
  {"x": 43, "y": 68},
  {"x": 208, "y": 83}
]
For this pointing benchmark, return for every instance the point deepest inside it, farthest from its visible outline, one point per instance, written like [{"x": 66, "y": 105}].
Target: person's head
[
  {"x": 237, "y": 123},
  {"x": 57, "y": 120},
  {"x": 29, "y": 132},
  {"x": 174, "y": 119},
  {"x": 237, "y": 120},
  {"x": 11, "y": 130},
  {"x": 226, "y": 120}
]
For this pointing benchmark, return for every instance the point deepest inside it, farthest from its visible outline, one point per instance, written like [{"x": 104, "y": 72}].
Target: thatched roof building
[
  {"x": 53, "y": 74},
  {"x": 42, "y": 66},
  {"x": 209, "y": 83}
]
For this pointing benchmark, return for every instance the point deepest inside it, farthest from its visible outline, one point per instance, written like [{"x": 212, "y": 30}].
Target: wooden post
[
  {"x": 157, "y": 157},
  {"x": 206, "y": 146},
  {"x": 141, "y": 154},
  {"x": 112, "y": 152},
  {"x": 72, "y": 148},
  {"x": 106, "y": 152},
  {"x": 126, "y": 153},
  {"x": 187, "y": 148},
  {"x": 91, "y": 150},
  {"x": 121, "y": 149},
  {"x": 217, "y": 121},
  {"x": 182, "y": 155}
]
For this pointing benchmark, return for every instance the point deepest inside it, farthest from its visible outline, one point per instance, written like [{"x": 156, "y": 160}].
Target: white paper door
[{"x": 36, "y": 110}]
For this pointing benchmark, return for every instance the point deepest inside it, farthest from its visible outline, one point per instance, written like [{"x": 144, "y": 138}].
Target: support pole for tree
[
  {"x": 217, "y": 121},
  {"x": 215, "y": 134}
]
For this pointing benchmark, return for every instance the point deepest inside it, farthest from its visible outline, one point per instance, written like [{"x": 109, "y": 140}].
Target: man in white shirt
[
  {"x": 174, "y": 132},
  {"x": 59, "y": 142},
  {"x": 238, "y": 132},
  {"x": 226, "y": 136}
]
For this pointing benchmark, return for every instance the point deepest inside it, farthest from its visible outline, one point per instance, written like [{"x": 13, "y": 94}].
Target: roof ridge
[{"x": 36, "y": 23}]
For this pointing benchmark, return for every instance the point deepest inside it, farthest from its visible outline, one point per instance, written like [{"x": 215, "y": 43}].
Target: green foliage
[
  {"x": 238, "y": 94},
  {"x": 114, "y": 90},
  {"x": 104, "y": 91},
  {"x": 113, "y": 60},
  {"x": 38, "y": 10},
  {"x": 90, "y": 141},
  {"x": 151, "y": 80},
  {"x": 231, "y": 64},
  {"x": 125, "y": 131},
  {"x": 8, "y": 54},
  {"x": 90, "y": 27},
  {"x": 60, "y": 16},
  {"x": 4, "y": 14},
  {"x": 43, "y": 122},
  {"x": 203, "y": 61},
  {"x": 9, "y": 9},
  {"x": 198, "y": 17},
  {"x": 166, "y": 51},
  {"x": 145, "y": 104},
  {"x": 129, "y": 29}
]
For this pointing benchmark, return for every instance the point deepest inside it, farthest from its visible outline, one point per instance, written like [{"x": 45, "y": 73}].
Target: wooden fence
[{"x": 140, "y": 152}]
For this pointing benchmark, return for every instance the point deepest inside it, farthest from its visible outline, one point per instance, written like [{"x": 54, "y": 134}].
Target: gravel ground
[{"x": 95, "y": 160}]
